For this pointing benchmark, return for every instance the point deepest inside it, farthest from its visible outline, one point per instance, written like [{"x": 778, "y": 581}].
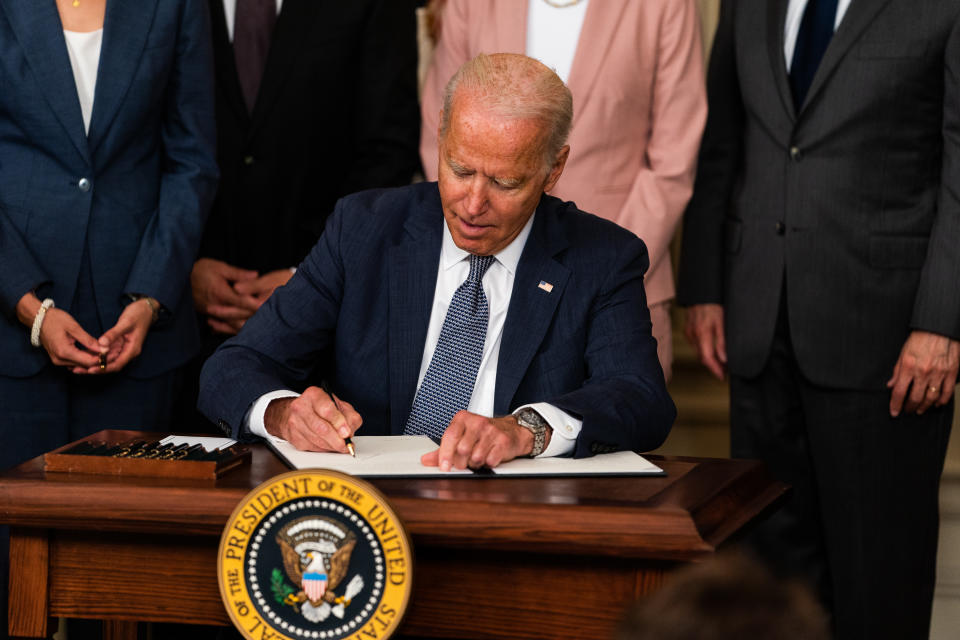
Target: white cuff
[
  {"x": 253, "y": 421},
  {"x": 565, "y": 427}
]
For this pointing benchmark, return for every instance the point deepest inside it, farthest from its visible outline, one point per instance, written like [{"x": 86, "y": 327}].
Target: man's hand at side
[
  {"x": 212, "y": 282},
  {"x": 476, "y": 441},
  {"x": 925, "y": 373},
  {"x": 704, "y": 330},
  {"x": 313, "y": 422},
  {"x": 260, "y": 289}
]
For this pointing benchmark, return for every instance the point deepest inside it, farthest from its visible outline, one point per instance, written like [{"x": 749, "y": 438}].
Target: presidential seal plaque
[{"x": 315, "y": 554}]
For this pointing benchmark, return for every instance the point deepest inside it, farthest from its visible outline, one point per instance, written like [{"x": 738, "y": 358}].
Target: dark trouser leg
[
  {"x": 862, "y": 521},
  {"x": 878, "y": 480},
  {"x": 767, "y": 423},
  {"x": 119, "y": 402}
]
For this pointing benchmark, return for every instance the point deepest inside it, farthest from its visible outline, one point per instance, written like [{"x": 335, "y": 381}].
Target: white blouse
[
  {"x": 553, "y": 33},
  {"x": 84, "y": 50}
]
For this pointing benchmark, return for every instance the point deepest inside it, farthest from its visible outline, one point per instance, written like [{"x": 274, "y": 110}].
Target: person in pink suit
[{"x": 636, "y": 73}]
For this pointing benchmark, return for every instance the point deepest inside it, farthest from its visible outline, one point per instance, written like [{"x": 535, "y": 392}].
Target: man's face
[{"x": 491, "y": 176}]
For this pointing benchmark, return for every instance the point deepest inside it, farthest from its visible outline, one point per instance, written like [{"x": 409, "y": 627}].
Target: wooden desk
[{"x": 495, "y": 557}]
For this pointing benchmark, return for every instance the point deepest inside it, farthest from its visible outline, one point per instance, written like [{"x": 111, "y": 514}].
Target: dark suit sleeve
[
  {"x": 172, "y": 237},
  {"x": 702, "y": 246},
  {"x": 937, "y": 305},
  {"x": 21, "y": 271},
  {"x": 623, "y": 402},
  {"x": 278, "y": 347},
  {"x": 384, "y": 153}
]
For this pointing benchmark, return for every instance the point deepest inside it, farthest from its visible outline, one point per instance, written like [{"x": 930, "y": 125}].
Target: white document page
[
  {"x": 619, "y": 463},
  {"x": 376, "y": 456},
  {"x": 379, "y": 456}
]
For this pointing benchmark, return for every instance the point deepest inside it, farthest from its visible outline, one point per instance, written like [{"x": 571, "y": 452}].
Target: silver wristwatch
[{"x": 530, "y": 419}]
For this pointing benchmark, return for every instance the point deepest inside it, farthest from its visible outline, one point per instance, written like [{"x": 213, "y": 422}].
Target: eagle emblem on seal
[{"x": 316, "y": 557}]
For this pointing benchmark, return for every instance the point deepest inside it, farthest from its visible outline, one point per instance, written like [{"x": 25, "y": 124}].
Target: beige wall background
[{"x": 709, "y": 10}]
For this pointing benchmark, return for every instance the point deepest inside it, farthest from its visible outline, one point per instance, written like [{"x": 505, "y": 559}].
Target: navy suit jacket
[
  {"x": 148, "y": 164},
  {"x": 365, "y": 293}
]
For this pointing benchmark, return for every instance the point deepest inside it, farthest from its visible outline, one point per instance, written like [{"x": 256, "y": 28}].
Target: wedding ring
[
  {"x": 933, "y": 389},
  {"x": 102, "y": 358}
]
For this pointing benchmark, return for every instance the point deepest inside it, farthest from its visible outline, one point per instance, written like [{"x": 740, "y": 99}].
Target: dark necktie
[
  {"x": 448, "y": 383},
  {"x": 816, "y": 29},
  {"x": 252, "y": 28}
]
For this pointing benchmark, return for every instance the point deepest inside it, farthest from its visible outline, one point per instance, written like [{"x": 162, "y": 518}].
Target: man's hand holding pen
[{"x": 315, "y": 421}]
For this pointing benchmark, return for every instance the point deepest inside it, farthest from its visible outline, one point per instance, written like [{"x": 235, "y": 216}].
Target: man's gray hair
[{"x": 514, "y": 86}]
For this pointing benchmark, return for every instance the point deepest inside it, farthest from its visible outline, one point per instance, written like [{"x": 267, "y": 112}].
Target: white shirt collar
[{"x": 451, "y": 255}]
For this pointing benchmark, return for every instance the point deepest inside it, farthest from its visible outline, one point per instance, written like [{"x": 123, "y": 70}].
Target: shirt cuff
[
  {"x": 565, "y": 427},
  {"x": 253, "y": 421}
]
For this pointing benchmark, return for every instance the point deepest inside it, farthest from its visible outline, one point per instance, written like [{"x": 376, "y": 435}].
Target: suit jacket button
[
  {"x": 795, "y": 153},
  {"x": 781, "y": 228},
  {"x": 248, "y": 160},
  {"x": 83, "y": 185}
]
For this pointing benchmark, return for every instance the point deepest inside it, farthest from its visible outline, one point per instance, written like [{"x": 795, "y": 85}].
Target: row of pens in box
[{"x": 149, "y": 450}]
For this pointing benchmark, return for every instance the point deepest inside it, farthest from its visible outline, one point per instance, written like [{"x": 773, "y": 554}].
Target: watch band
[{"x": 529, "y": 419}]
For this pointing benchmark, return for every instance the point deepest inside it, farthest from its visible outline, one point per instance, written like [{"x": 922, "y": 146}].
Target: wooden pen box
[{"x": 60, "y": 461}]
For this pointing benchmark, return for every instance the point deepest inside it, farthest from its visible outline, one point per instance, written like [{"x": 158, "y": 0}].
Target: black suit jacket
[
  {"x": 336, "y": 113},
  {"x": 850, "y": 207}
]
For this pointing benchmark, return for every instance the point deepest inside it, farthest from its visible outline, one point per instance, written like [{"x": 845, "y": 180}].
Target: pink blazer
[{"x": 639, "y": 107}]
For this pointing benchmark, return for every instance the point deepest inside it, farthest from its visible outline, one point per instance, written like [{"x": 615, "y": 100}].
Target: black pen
[
  {"x": 348, "y": 441},
  {"x": 190, "y": 452}
]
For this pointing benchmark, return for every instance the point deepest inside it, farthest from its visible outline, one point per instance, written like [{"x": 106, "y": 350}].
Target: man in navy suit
[{"x": 567, "y": 345}]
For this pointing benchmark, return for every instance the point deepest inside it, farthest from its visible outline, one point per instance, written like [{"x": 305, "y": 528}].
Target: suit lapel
[
  {"x": 295, "y": 19},
  {"x": 125, "y": 29},
  {"x": 596, "y": 37},
  {"x": 532, "y": 308},
  {"x": 859, "y": 15},
  {"x": 37, "y": 27},
  {"x": 776, "y": 19},
  {"x": 412, "y": 281}
]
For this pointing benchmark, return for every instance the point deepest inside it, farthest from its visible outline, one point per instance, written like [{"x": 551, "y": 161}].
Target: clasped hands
[
  {"x": 316, "y": 421},
  {"x": 924, "y": 375},
  {"x": 229, "y": 295},
  {"x": 69, "y": 345}
]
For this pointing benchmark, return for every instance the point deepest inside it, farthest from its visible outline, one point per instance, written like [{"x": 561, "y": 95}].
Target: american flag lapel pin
[{"x": 546, "y": 286}]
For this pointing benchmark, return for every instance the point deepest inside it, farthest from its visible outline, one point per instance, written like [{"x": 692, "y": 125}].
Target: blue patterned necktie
[{"x": 448, "y": 383}]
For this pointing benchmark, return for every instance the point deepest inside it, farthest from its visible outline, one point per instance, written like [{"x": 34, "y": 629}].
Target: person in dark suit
[
  {"x": 563, "y": 337},
  {"x": 107, "y": 170},
  {"x": 820, "y": 264},
  {"x": 335, "y": 111},
  {"x": 114, "y": 189}
]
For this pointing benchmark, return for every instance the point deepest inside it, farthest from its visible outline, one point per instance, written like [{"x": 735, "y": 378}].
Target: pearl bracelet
[{"x": 38, "y": 321}]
